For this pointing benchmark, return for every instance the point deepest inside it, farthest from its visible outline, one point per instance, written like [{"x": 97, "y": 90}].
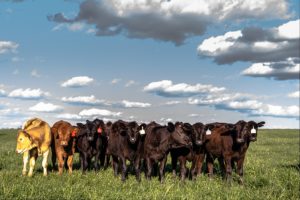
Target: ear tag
[
  {"x": 208, "y": 132},
  {"x": 142, "y": 132},
  {"x": 253, "y": 130},
  {"x": 99, "y": 130},
  {"x": 73, "y": 134}
]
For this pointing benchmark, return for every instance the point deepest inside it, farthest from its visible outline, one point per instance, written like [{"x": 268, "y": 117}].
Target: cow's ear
[
  {"x": 261, "y": 124},
  {"x": 171, "y": 127},
  {"x": 74, "y": 131},
  {"x": 80, "y": 125},
  {"x": 210, "y": 126},
  {"x": 229, "y": 126},
  {"x": 108, "y": 124}
]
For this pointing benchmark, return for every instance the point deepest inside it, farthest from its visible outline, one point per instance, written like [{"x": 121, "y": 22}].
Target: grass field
[{"x": 271, "y": 172}]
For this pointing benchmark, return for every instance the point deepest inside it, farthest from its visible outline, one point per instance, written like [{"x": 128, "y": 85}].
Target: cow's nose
[
  {"x": 64, "y": 143},
  {"x": 90, "y": 138},
  {"x": 199, "y": 142}
]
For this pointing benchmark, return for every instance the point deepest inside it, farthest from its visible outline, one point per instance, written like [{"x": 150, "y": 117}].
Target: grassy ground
[{"x": 271, "y": 172}]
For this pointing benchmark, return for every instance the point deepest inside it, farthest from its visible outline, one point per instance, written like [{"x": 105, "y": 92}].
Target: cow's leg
[
  {"x": 193, "y": 167},
  {"x": 53, "y": 156},
  {"x": 115, "y": 163},
  {"x": 200, "y": 163},
  {"x": 228, "y": 169},
  {"x": 162, "y": 169},
  {"x": 33, "y": 156},
  {"x": 124, "y": 168},
  {"x": 97, "y": 160},
  {"x": 222, "y": 166},
  {"x": 45, "y": 162},
  {"x": 210, "y": 166},
  {"x": 85, "y": 162},
  {"x": 174, "y": 164},
  {"x": 149, "y": 168},
  {"x": 70, "y": 163},
  {"x": 61, "y": 161},
  {"x": 25, "y": 161},
  {"x": 182, "y": 168},
  {"x": 137, "y": 163},
  {"x": 240, "y": 170},
  {"x": 107, "y": 158}
]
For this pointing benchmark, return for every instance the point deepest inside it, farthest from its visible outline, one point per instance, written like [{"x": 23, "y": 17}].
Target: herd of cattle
[{"x": 144, "y": 145}]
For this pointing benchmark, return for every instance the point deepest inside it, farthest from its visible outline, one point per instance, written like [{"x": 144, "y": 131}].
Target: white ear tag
[
  {"x": 253, "y": 130},
  {"x": 208, "y": 132},
  {"x": 142, "y": 132}
]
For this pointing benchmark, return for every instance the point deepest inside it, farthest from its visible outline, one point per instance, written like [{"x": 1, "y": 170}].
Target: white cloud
[
  {"x": 93, "y": 112},
  {"x": 291, "y": 95},
  {"x": 172, "y": 103},
  {"x": 8, "y": 46},
  {"x": 279, "y": 111},
  {"x": 285, "y": 70},
  {"x": 78, "y": 81},
  {"x": 76, "y": 26},
  {"x": 85, "y": 100},
  {"x": 245, "y": 105},
  {"x": 68, "y": 116},
  {"x": 173, "y": 20},
  {"x": 115, "y": 81},
  {"x": 28, "y": 93},
  {"x": 132, "y": 104},
  {"x": 2, "y": 93},
  {"x": 11, "y": 124},
  {"x": 166, "y": 88},
  {"x": 165, "y": 120},
  {"x": 254, "y": 44},
  {"x": 10, "y": 112},
  {"x": 194, "y": 115},
  {"x": 46, "y": 107},
  {"x": 130, "y": 83},
  {"x": 34, "y": 73}
]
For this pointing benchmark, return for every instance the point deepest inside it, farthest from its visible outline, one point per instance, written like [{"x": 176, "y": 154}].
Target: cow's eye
[{"x": 21, "y": 139}]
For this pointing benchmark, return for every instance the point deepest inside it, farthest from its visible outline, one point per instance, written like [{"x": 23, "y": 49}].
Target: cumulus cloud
[
  {"x": 2, "y": 93},
  {"x": 10, "y": 112},
  {"x": 166, "y": 88},
  {"x": 85, "y": 100},
  {"x": 282, "y": 70},
  {"x": 130, "y": 83},
  {"x": 169, "y": 103},
  {"x": 244, "y": 103},
  {"x": 291, "y": 95},
  {"x": 68, "y": 116},
  {"x": 78, "y": 81},
  {"x": 133, "y": 104},
  {"x": 166, "y": 20},
  {"x": 254, "y": 44},
  {"x": 115, "y": 81},
  {"x": 8, "y": 46},
  {"x": 94, "y": 112},
  {"x": 28, "y": 93},
  {"x": 46, "y": 107},
  {"x": 34, "y": 73}
]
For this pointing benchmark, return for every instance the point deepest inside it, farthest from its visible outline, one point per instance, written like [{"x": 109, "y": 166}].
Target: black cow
[
  {"x": 126, "y": 143},
  {"x": 158, "y": 142},
  {"x": 196, "y": 154},
  {"x": 89, "y": 143}
]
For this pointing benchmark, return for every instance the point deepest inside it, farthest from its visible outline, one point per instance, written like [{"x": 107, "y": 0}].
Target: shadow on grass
[{"x": 294, "y": 167}]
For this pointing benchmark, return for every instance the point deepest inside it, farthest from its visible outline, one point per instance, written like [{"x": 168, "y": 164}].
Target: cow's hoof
[
  {"x": 30, "y": 175},
  {"x": 24, "y": 173}
]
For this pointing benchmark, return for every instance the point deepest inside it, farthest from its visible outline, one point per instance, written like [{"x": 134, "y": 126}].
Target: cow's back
[{"x": 40, "y": 133}]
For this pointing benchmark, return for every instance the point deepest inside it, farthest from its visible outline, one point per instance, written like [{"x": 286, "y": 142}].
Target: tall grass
[{"x": 271, "y": 172}]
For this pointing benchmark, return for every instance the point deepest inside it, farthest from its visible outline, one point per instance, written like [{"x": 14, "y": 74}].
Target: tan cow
[{"x": 34, "y": 139}]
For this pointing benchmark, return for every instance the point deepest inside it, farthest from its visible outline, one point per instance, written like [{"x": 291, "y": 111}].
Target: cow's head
[
  {"x": 98, "y": 128},
  {"x": 24, "y": 142},
  {"x": 119, "y": 127},
  {"x": 252, "y": 128},
  {"x": 108, "y": 127},
  {"x": 83, "y": 130},
  {"x": 179, "y": 135},
  {"x": 241, "y": 131},
  {"x": 198, "y": 135},
  {"x": 65, "y": 135},
  {"x": 133, "y": 132}
]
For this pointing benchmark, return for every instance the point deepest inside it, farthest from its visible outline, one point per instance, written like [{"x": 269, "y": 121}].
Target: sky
[{"x": 161, "y": 60}]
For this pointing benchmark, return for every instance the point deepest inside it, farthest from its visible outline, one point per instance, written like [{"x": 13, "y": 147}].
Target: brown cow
[
  {"x": 63, "y": 144},
  {"x": 229, "y": 143},
  {"x": 34, "y": 139}
]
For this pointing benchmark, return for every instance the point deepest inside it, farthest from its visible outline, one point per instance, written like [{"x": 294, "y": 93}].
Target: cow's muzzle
[
  {"x": 64, "y": 143},
  {"x": 240, "y": 140},
  {"x": 199, "y": 142}
]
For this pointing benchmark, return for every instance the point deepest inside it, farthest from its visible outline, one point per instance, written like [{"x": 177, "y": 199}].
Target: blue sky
[{"x": 150, "y": 60}]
